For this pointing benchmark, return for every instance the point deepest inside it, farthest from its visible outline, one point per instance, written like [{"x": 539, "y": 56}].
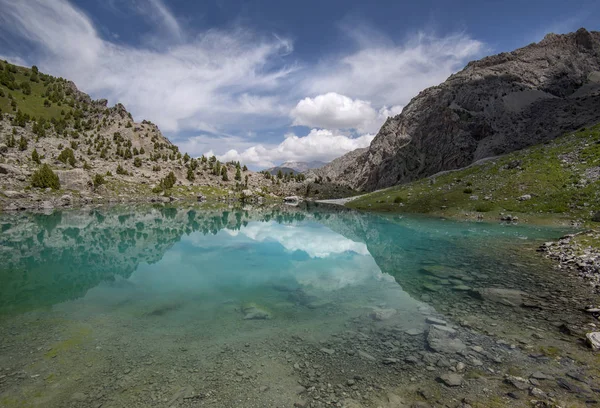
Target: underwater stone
[{"x": 254, "y": 312}]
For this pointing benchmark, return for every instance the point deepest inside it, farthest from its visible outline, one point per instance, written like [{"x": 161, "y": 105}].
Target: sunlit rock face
[{"x": 494, "y": 106}]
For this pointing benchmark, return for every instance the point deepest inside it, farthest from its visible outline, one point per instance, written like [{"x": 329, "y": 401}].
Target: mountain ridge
[{"x": 495, "y": 105}]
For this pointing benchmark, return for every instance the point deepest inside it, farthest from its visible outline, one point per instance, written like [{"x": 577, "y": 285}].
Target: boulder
[
  {"x": 254, "y": 312},
  {"x": 593, "y": 340},
  {"x": 76, "y": 179},
  {"x": 451, "y": 379},
  {"x": 14, "y": 194},
  {"x": 382, "y": 314},
  {"x": 443, "y": 339},
  {"x": 509, "y": 297}
]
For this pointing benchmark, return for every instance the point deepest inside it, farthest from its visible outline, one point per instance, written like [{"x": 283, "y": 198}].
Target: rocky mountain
[
  {"x": 494, "y": 106},
  {"x": 49, "y": 130},
  {"x": 303, "y": 166},
  {"x": 296, "y": 167}
]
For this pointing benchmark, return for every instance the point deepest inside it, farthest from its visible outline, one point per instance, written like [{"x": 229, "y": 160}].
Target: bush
[
  {"x": 169, "y": 181},
  {"x": 44, "y": 178},
  {"x": 224, "y": 175},
  {"x": 98, "y": 180},
  {"x": 137, "y": 162},
  {"x": 22, "y": 144},
  {"x": 67, "y": 156},
  {"x": 35, "y": 156},
  {"x": 468, "y": 190},
  {"x": 121, "y": 170},
  {"x": 596, "y": 217},
  {"x": 190, "y": 174},
  {"x": 484, "y": 207},
  {"x": 398, "y": 199}
]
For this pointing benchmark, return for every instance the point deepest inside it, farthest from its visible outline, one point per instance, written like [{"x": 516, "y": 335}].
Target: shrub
[
  {"x": 596, "y": 217},
  {"x": 484, "y": 207},
  {"x": 137, "y": 162},
  {"x": 169, "y": 181},
  {"x": 35, "y": 156},
  {"x": 121, "y": 170},
  {"x": 224, "y": 173},
  {"x": 67, "y": 156},
  {"x": 98, "y": 180},
  {"x": 238, "y": 174},
  {"x": 468, "y": 190},
  {"x": 22, "y": 144},
  {"x": 44, "y": 177},
  {"x": 398, "y": 199},
  {"x": 190, "y": 174}
]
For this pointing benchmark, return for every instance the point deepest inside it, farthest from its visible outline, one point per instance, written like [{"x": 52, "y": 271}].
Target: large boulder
[
  {"x": 76, "y": 179},
  {"x": 444, "y": 339}
]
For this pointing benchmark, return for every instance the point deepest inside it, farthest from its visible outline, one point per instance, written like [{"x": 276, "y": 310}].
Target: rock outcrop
[{"x": 496, "y": 105}]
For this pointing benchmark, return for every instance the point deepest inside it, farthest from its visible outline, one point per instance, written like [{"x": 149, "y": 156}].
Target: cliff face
[{"x": 493, "y": 106}]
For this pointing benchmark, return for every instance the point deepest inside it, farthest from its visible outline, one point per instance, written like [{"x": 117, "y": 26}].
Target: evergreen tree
[
  {"x": 22, "y": 144},
  {"x": 238, "y": 174},
  {"x": 44, "y": 177},
  {"x": 190, "y": 174},
  {"x": 35, "y": 156},
  {"x": 224, "y": 173}
]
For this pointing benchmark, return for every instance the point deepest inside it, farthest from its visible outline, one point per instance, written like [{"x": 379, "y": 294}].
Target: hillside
[
  {"x": 100, "y": 153},
  {"x": 559, "y": 179},
  {"x": 494, "y": 106}
]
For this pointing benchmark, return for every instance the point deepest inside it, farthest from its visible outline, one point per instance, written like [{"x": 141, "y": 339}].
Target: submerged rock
[
  {"x": 509, "y": 297},
  {"x": 253, "y": 312},
  {"x": 444, "y": 339},
  {"x": 382, "y": 314}
]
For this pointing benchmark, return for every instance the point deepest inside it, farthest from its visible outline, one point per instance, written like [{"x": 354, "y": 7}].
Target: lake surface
[{"x": 271, "y": 307}]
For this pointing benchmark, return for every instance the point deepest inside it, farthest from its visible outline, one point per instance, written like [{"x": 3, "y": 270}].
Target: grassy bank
[{"x": 557, "y": 182}]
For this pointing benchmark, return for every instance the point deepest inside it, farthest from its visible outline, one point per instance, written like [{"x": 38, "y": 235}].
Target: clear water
[{"x": 189, "y": 306}]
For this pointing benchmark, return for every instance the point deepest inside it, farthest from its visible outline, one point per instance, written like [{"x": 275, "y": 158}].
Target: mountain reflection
[{"x": 48, "y": 259}]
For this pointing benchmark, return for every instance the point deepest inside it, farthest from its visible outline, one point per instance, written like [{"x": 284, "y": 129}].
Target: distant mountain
[
  {"x": 284, "y": 170},
  {"x": 303, "y": 166},
  {"x": 296, "y": 167}
]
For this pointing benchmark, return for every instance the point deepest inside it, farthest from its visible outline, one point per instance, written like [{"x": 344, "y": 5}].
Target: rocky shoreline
[{"x": 578, "y": 253}]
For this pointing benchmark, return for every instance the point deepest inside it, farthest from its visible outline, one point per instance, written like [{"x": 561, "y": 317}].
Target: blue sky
[{"x": 268, "y": 81}]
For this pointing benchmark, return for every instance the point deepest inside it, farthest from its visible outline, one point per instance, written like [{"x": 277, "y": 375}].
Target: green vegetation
[
  {"x": 98, "y": 180},
  {"x": 166, "y": 183},
  {"x": 67, "y": 156},
  {"x": 44, "y": 177},
  {"x": 35, "y": 156},
  {"x": 557, "y": 179}
]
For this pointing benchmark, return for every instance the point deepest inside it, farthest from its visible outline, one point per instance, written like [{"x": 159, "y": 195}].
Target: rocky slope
[
  {"x": 493, "y": 106},
  {"x": 47, "y": 121}
]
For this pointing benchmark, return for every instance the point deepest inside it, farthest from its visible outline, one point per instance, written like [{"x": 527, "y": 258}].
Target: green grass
[
  {"x": 555, "y": 186},
  {"x": 32, "y": 104}
]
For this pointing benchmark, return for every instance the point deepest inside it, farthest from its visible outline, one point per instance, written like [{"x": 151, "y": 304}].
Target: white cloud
[
  {"x": 316, "y": 242},
  {"x": 391, "y": 74},
  {"x": 235, "y": 81},
  {"x": 333, "y": 110},
  {"x": 218, "y": 78},
  {"x": 320, "y": 144}
]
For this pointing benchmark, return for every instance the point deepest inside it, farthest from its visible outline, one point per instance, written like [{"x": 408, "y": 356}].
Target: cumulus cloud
[
  {"x": 320, "y": 144},
  {"x": 335, "y": 111},
  {"x": 318, "y": 242},
  {"x": 218, "y": 78}
]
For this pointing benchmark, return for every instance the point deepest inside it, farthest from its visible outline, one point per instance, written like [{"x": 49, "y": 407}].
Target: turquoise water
[{"x": 177, "y": 306}]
